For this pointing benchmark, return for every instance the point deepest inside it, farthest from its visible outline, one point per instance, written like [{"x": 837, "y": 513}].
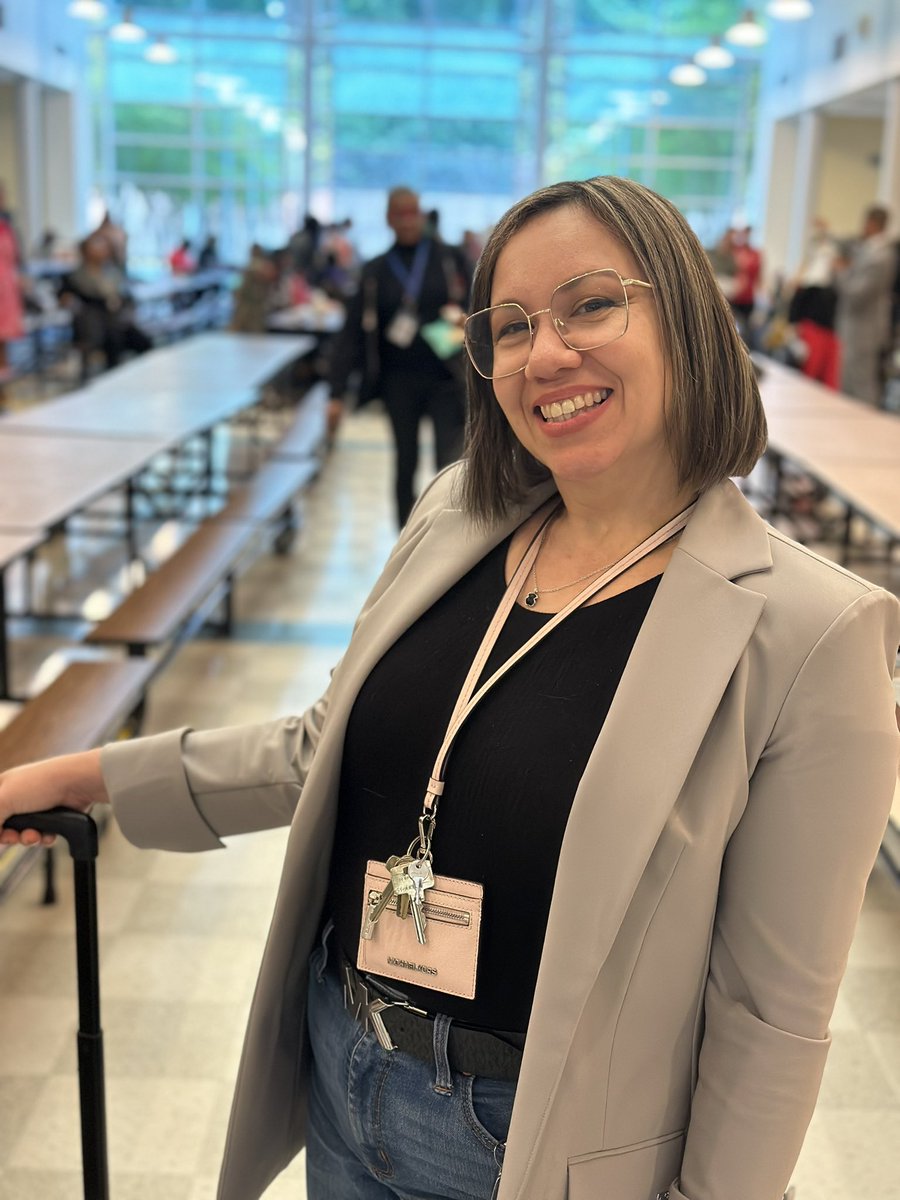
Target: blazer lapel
[{"x": 697, "y": 628}]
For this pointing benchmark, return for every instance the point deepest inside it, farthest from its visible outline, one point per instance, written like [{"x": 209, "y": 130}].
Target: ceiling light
[
  {"x": 87, "y": 10},
  {"x": 227, "y": 88},
  {"x": 789, "y": 10},
  {"x": 127, "y": 29},
  {"x": 160, "y": 52},
  {"x": 715, "y": 56},
  {"x": 295, "y": 138},
  {"x": 270, "y": 120},
  {"x": 275, "y": 9},
  {"x": 658, "y": 97},
  {"x": 747, "y": 32},
  {"x": 687, "y": 75}
]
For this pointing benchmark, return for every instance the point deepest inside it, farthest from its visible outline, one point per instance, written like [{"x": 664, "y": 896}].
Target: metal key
[
  {"x": 375, "y": 909},
  {"x": 403, "y": 885},
  {"x": 422, "y": 877}
]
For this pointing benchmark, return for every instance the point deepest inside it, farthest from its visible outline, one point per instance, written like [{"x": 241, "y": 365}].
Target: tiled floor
[{"x": 182, "y": 935}]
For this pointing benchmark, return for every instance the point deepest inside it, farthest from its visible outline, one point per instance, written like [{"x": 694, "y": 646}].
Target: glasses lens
[
  {"x": 590, "y": 311},
  {"x": 498, "y": 340}
]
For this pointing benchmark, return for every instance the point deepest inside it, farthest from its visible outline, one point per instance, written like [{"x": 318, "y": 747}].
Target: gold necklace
[{"x": 535, "y": 594}]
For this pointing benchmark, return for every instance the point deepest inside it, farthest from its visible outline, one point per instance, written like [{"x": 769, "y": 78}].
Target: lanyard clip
[{"x": 427, "y": 822}]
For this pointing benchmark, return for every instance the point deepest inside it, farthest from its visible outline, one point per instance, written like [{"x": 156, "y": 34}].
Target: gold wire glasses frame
[{"x": 587, "y": 311}]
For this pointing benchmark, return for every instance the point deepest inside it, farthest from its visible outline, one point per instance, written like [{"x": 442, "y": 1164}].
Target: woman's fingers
[{"x": 27, "y": 837}]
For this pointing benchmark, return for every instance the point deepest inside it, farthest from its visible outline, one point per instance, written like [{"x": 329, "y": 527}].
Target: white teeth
[{"x": 564, "y": 410}]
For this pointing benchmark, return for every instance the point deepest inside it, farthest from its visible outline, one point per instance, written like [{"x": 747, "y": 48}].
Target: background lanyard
[{"x": 411, "y": 280}]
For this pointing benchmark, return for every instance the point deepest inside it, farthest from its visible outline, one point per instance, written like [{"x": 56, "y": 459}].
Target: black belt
[{"x": 399, "y": 1025}]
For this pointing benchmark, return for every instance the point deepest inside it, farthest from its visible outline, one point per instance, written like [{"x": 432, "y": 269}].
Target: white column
[
  {"x": 29, "y": 140},
  {"x": 782, "y": 157},
  {"x": 804, "y": 192},
  {"x": 889, "y": 169},
  {"x": 60, "y": 208}
]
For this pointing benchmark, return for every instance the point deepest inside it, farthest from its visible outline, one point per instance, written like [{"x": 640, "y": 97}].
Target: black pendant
[{"x": 531, "y": 599}]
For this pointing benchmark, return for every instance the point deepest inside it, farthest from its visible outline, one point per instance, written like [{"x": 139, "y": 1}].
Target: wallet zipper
[{"x": 433, "y": 912}]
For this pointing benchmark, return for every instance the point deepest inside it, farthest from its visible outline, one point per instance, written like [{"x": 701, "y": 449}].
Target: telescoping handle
[
  {"x": 77, "y": 828},
  {"x": 80, "y": 832}
]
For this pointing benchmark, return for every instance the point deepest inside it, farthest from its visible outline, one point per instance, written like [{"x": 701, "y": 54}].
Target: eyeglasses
[{"x": 587, "y": 312}]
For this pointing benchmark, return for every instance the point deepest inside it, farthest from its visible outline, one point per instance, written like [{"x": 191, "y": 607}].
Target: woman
[
  {"x": 11, "y": 327},
  {"x": 666, "y": 904},
  {"x": 103, "y": 305}
]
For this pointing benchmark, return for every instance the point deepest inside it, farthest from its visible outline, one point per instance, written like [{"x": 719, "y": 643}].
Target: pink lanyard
[{"x": 468, "y": 697}]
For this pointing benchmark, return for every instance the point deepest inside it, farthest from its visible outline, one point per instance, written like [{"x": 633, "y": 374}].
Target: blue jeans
[{"x": 384, "y": 1125}]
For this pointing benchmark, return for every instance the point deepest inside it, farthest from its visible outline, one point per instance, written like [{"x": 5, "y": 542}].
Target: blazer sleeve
[
  {"x": 187, "y": 789},
  {"x": 793, "y": 880}
]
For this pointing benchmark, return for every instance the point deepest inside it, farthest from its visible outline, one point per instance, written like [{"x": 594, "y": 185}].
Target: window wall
[{"x": 275, "y": 108}]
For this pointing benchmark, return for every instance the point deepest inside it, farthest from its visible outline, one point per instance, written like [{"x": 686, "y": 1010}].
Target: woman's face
[{"x": 619, "y": 433}]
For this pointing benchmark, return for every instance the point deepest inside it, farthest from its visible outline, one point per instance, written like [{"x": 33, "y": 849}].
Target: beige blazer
[{"x": 708, "y": 884}]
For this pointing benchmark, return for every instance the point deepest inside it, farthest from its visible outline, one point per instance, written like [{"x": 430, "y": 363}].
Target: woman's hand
[{"x": 72, "y": 780}]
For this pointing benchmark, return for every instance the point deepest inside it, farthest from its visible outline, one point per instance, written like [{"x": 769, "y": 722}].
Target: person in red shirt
[
  {"x": 748, "y": 264},
  {"x": 181, "y": 261}
]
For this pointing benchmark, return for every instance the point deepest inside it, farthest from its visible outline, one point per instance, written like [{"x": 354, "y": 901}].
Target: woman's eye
[
  {"x": 512, "y": 329},
  {"x": 593, "y": 305}
]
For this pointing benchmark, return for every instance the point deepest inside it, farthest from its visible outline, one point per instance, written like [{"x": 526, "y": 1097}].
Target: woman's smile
[{"x": 560, "y": 412}]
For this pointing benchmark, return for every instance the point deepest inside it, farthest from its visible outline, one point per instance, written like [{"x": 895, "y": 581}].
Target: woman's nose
[{"x": 549, "y": 353}]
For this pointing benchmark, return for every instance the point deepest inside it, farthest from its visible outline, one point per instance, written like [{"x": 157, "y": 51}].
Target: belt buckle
[{"x": 367, "y": 1012}]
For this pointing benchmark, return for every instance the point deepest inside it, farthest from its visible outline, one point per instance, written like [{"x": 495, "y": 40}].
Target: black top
[{"x": 509, "y": 780}]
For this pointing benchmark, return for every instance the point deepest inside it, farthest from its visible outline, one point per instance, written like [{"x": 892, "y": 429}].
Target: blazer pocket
[{"x": 636, "y": 1172}]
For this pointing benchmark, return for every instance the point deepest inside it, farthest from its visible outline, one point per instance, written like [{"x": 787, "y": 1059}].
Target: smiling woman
[{"x": 661, "y": 739}]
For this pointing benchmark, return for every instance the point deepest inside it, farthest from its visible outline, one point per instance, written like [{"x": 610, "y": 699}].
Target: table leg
[
  {"x": 4, "y": 642},
  {"x": 130, "y": 532}
]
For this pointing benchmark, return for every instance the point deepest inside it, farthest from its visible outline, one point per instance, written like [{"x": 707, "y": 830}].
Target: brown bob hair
[{"x": 715, "y": 422}]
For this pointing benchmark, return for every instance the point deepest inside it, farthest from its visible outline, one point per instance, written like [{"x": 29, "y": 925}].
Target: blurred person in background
[
  {"x": 812, "y": 308},
  {"x": 103, "y": 308},
  {"x": 11, "y": 326},
  {"x": 254, "y": 296},
  {"x": 402, "y": 334},
  {"x": 305, "y": 247},
  {"x": 748, "y": 268},
  {"x": 181, "y": 260},
  {"x": 208, "y": 258},
  {"x": 864, "y": 278},
  {"x": 116, "y": 239}
]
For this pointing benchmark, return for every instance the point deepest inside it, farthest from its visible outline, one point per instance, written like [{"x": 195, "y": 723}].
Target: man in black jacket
[{"x": 403, "y": 335}]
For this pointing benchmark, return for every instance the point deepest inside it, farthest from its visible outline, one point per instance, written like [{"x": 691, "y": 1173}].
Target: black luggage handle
[{"x": 79, "y": 830}]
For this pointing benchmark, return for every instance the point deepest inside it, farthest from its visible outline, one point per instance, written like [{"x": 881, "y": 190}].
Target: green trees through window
[{"x": 272, "y": 110}]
